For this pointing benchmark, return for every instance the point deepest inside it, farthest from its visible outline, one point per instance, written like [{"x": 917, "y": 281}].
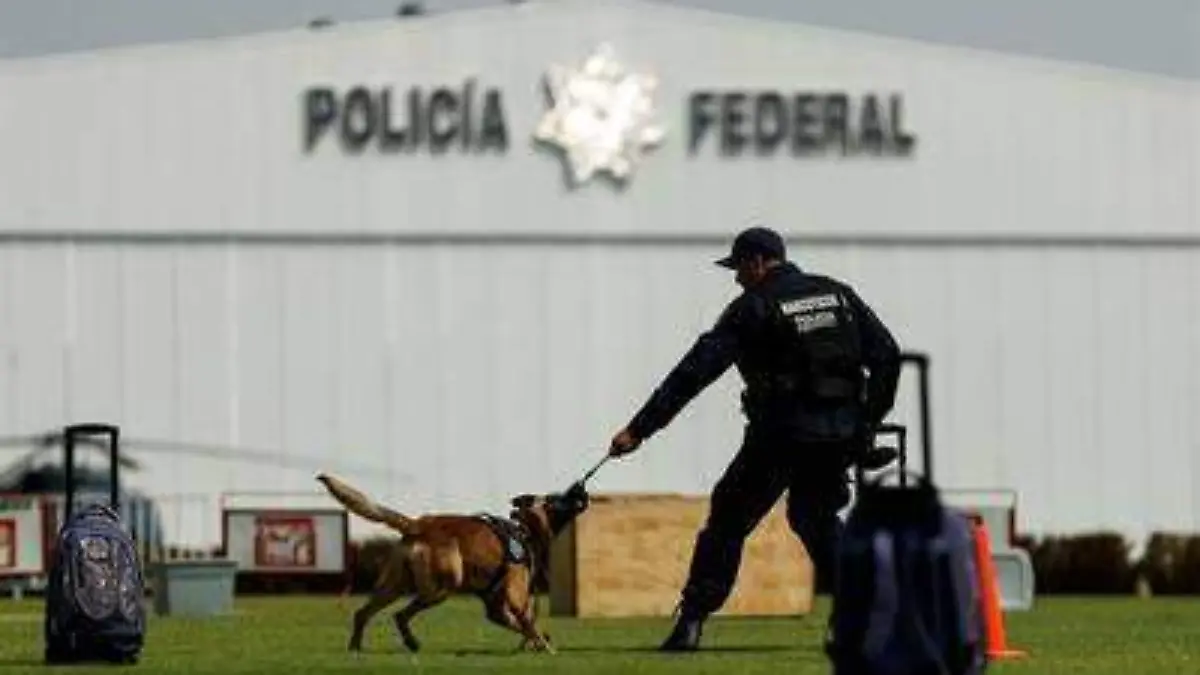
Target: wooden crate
[{"x": 628, "y": 555}]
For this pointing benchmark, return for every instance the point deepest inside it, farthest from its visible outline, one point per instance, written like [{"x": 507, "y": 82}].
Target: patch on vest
[
  {"x": 803, "y": 305},
  {"x": 810, "y": 314},
  {"x": 806, "y": 323}
]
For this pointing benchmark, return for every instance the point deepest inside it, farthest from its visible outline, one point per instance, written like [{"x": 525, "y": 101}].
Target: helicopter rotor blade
[
  {"x": 33, "y": 446},
  {"x": 277, "y": 458}
]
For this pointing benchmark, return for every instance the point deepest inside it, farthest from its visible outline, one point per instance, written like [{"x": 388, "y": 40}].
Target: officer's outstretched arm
[{"x": 709, "y": 357}]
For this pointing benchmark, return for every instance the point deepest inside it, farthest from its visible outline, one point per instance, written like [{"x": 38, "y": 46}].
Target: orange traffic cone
[{"x": 989, "y": 587}]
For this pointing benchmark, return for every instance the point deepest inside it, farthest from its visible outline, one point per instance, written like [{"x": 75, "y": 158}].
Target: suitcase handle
[
  {"x": 75, "y": 431},
  {"x": 901, "y": 433}
]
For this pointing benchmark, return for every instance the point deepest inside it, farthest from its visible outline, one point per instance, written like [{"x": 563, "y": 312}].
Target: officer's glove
[{"x": 623, "y": 443}]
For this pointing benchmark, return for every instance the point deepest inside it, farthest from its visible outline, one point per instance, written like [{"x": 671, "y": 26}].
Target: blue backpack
[
  {"x": 906, "y": 598},
  {"x": 95, "y": 592}
]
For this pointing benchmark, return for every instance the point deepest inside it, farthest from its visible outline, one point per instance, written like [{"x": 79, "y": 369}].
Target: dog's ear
[{"x": 523, "y": 501}]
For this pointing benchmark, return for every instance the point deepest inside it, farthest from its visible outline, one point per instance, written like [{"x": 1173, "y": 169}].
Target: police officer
[{"x": 820, "y": 371}]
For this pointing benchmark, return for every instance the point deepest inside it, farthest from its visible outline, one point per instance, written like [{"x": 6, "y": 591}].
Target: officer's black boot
[
  {"x": 685, "y": 636},
  {"x": 711, "y": 575}
]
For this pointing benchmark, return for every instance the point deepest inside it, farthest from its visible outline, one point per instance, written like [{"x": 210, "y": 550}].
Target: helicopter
[{"x": 40, "y": 471}]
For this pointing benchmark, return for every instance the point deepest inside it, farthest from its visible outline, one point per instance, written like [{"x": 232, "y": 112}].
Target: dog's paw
[
  {"x": 531, "y": 645},
  {"x": 528, "y": 645}
]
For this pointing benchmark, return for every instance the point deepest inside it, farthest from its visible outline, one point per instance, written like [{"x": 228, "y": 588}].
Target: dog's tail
[{"x": 361, "y": 505}]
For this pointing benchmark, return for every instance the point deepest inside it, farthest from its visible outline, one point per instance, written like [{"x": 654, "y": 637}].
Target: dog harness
[{"x": 516, "y": 552}]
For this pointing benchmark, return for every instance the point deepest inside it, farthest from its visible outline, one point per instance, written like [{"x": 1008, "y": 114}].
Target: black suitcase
[{"x": 95, "y": 592}]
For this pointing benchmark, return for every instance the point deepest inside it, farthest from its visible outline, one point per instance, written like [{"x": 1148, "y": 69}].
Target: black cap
[{"x": 754, "y": 241}]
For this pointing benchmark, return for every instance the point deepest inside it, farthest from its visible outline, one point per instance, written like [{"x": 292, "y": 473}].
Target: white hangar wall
[{"x": 450, "y": 329}]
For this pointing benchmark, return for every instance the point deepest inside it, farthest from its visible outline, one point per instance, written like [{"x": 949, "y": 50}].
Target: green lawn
[{"x": 302, "y": 635}]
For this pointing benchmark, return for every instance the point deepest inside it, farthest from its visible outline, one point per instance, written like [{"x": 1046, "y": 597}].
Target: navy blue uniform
[{"x": 820, "y": 370}]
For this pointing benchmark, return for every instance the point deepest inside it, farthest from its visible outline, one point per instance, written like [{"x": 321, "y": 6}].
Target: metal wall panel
[{"x": 447, "y": 377}]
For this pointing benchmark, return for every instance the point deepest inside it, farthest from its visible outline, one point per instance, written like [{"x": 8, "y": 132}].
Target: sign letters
[
  {"x": 804, "y": 123},
  {"x": 439, "y": 119},
  {"x": 599, "y": 113}
]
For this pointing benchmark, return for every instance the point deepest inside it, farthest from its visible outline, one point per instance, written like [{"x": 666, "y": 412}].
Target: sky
[{"x": 1157, "y": 36}]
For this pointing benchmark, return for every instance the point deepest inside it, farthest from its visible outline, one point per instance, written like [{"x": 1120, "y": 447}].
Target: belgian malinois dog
[{"x": 440, "y": 554}]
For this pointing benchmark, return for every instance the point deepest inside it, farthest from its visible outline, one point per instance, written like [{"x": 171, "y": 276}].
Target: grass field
[{"x": 307, "y": 635}]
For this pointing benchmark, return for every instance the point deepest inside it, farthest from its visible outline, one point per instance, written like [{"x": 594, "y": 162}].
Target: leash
[{"x": 591, "y": 472}]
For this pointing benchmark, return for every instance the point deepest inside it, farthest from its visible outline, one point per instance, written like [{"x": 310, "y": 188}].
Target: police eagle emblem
[{"x": 600, "y": 116}]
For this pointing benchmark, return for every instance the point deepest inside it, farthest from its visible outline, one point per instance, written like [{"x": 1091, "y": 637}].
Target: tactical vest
[
  {"x": 815, "y": 346},
  {"x": 516, "y": 552}
]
